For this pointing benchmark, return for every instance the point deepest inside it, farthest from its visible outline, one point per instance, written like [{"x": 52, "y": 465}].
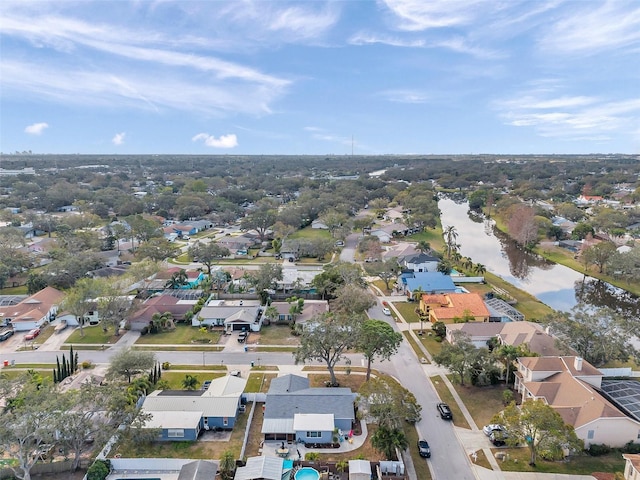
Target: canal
[{"x": 555, "y": 285}]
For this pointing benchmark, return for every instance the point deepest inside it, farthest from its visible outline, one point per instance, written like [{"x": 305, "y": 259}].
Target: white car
[
  {"x": 489, "y": 429},
  {"x": 386, "y": 311}
]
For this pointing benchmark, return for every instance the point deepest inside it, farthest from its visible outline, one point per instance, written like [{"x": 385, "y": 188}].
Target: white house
[
  {"x": 33, "y": 311},
  {"x": 570, "y": 385},
  {"x": 233, "y": 315}
]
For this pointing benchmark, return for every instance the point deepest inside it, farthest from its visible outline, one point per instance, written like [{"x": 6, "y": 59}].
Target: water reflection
[{"x": 556, "y": 285}]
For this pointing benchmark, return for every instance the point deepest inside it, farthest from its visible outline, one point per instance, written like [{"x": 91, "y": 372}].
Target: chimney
[{"x": 577, "y": 363}]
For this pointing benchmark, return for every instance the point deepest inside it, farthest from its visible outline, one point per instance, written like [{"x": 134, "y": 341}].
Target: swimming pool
[{"x": 307, "y": 473}]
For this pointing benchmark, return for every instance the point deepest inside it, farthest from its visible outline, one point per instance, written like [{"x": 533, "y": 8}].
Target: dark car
[
  {"x": 423, "y": 449},
  {"x": 498, "y": 438},
  {"x": 445, "y": 411},
  {"x": 5, "y": 335}
]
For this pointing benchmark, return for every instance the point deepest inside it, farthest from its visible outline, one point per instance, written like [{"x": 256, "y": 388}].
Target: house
[
  {"x": 233, "y": 315},
  {"x": 632, "y": 466},
  {"x": 32, "y": 312},
  {"x": 387, "y": 232},
  {"x": 91, "y": 318},
  {"x": 295, "y": 412},
  {"x": 263, "y": 468},
  {"x": 420, "y": 262},
  {"x": 571, "y": 386},
  {"x": 433, "y": 282},
  {"x": 399, "y": 250},
  {"x": 238, "y": 245},
  {"x": 450, "y": 307},
  {"x": 67, "y": 208},
  {"x": 395, "y": 214},
  {"x": 182, "y": 414},
  {"x": 294, "y": 278},
  {"x": 290, "y": 250},
  {"x": 310, "y": 309},
  {"x": 198, "y": 470},
  {"x": 319, "y": 224},
  {"x": 479, "y": 333},
  {"x": 160, "y": 304},
  {"x": 193, "y": 278},
  {"x": 530, "y": 334}
]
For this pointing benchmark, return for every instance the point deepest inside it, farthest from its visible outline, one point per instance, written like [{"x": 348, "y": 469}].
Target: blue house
[
  {"x": 296, "y": 412},
  {"x": 181, "y": 415},
  {"x": 428, "y": 282}
]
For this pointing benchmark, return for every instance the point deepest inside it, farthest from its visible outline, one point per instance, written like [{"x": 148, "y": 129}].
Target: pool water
[{"x": 307, "y": 473}]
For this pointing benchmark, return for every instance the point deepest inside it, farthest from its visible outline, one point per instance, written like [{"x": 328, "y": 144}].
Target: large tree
[
  {"x": 450, "y": 237},
  {"x": 78, "y": 300},
  {"x": 459, "y": 356},
  {"x": 598, "y": 335},
  {"x": 157, "y": 249},
  {"x": 260, "y": 220},
  {"x": 522, "y": 225},
  {"x": 377, "y": 339},
  {"x": 599, "y": 254},
  {"x": 128, "y": 362},
  {"x": 353, "y": 299},
  {"x": 28, "y": 420},
  {"x": 326, "y": 338},
  {"x": 113, "y": 306},
  {"x": 537, "y": 425},
  {"x": 208, "y": 253},
  {"x": 387, "y": 270}
]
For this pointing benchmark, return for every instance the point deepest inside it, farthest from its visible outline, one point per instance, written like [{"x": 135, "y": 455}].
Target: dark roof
[
  {"x": 338, "y": 401},
  {"x": 288, "y": 383},
  {"x": 198, "y": 470},
  {"x": 418, "y": 258},
  {"x": 181, "y": 393}
]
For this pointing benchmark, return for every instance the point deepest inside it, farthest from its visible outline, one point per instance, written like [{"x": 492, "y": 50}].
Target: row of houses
[{"x": 566, "y": 382}]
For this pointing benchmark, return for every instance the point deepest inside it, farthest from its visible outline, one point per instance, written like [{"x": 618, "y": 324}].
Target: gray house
[
  {"x": 296, "y": 412},
  {"x": 182, "y": 414},
  {"x": 233, "y": 315}
]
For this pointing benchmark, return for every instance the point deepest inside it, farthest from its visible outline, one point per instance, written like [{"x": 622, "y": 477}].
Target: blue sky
[{"x": 315, "y": 77}]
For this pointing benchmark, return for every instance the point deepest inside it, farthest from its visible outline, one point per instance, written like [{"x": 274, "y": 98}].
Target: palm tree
[
  {"x": 480, "y": 269},
  {"x": 507, "y": 354},
  {"x": 189, "y": 382},
  {"x": 450, "y": 235},
  {"x": 423, "y": 246},
  {"x": 467, "y": 263},
  {"x": 456, "y": 256},
  {"x": 177, "y": 280}
]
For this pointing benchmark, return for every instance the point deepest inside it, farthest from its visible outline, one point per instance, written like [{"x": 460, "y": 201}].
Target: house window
[
  {"x": 225, "y": 421},
  {"x": 314, "y": 434},
  {"x": 590, "y": 434},
  {"x": 638, "y": 434},
  {"x": 175, "y": 432}
]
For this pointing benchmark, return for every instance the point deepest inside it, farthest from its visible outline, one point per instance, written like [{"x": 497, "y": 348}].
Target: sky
[{"x": 320, "y": 77}]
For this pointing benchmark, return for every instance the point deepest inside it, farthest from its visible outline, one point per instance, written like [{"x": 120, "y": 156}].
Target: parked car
[
  {"x": 386, "y": 311},
  {"x": 339, "y": 243},
  {"x": 235, "y": 373},
  {"x": 423, "y": 449},
  {"x": 242, "y": 337},
  {"x": 205, "y": 385},
  {"x": 32, "y": 334},
  {"x": 498, "y": 438},
  {"x": 488, "y": 429},
  {"x": 5, "y": 335},
  {"x": 445, "y": 411}
]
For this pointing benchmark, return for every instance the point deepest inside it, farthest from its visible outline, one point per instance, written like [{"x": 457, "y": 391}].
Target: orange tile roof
[{"x": 460, "y": 304}]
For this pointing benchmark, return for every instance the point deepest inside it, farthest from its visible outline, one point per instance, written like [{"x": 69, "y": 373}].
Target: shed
[
  {"x": 198, "y": 470},
  {"x": 359, "y": 470}
]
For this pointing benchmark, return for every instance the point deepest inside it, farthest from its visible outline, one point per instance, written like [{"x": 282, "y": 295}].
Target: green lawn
[
  {"x": 309, "y": 233},
  {"x": 92, "y": 334},
  {"x": 175, "y": 378},
  {"x": 259, "y": 382},
  {"x": 482, "y": 402},
  {"x": 582, "y": 464},
  {"x": 182, "y": 335},
  {"x": 531, "y": 307},
  {"x": 274, "y": 334},
  {"x": 431, "y": 344},
  {"x": 407, "y": 310},
  {"x": 446, "y": 396},
  {"x": 433, "y": 236}
]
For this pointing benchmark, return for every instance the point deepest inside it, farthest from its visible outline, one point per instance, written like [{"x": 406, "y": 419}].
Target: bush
[
  {"x": 87, "y": 364},
  {"x": 99, "y": 470},
  {"x": 631, "y": 447},
  {"x": 507, "y": 397},
  {"x": 166, "y": 365},
  {"x": 597, "y": 449},
  {"x": 311, "y": 456}
]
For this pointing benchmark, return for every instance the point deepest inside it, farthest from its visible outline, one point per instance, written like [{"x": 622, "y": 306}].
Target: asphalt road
[{"x": 448, "y": 457}]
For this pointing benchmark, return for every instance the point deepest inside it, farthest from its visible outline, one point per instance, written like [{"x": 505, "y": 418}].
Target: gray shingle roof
[
  {"x": 198, "y": 470},
  {"x": 288, "y": 383},
  {"x": 338, "y": 401}
]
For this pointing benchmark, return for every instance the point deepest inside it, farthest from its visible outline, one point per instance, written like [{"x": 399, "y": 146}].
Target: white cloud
[
  {"x": 570, "y": 117},
  {"x": 406, "y": 96},
  {"x": 118, "y": 138},
  {"x": 36, "y": 128},
  {"x": 224, "y": 141},
  {"x": 421, "y": 15},
  {"x": 614, "y": 25},
  {"x": 363, "y": 38}
]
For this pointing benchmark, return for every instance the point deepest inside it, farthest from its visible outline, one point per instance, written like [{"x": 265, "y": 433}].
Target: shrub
[
  {"x": 631, "y": 447},
  {"x": 597, "y": 449},
  {"x": 311, "y": 456},
  {"x": 99, "y": 470},
  {"x": 507, "y": 397},
  {"x": 87, "y": 364},
  {"x": 166, "y": 365}
]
